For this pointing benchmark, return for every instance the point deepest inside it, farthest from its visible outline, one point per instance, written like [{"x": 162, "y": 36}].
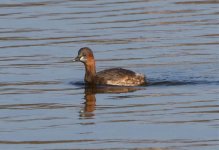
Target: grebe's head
[{"x": 85, "y": 55}]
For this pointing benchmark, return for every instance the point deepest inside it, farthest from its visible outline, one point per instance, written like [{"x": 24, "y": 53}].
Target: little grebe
[{"x": 114, "y": 76}]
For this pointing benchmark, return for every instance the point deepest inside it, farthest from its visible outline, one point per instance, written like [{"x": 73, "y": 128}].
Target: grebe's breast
[{"x": 119, "y": 76}]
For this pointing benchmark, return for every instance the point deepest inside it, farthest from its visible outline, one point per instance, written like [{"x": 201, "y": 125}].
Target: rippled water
[{"x": 44, "y": 105}]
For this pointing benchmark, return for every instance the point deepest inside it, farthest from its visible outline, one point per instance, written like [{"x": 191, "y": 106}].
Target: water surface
[{"x": 43, "y": 104}]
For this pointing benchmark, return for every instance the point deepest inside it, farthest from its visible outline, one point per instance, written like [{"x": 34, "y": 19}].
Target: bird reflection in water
[{"x": 90, "y": 99}]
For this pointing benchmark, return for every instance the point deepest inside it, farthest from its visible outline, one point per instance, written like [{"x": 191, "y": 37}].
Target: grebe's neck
[{"x": 90, "y": 72}]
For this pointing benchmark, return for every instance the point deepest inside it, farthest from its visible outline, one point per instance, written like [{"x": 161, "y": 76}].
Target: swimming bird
[{"x": 113, "y": 76}]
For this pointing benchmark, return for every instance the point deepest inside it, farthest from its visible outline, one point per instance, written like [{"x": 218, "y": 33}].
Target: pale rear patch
[{"x": 138, "y": 79}]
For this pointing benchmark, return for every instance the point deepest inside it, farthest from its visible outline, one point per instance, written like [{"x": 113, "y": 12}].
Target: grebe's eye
[{"x": 84, "y": 54}]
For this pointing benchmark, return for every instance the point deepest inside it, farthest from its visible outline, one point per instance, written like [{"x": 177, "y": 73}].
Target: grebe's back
[{"x": 120, "y": 76}]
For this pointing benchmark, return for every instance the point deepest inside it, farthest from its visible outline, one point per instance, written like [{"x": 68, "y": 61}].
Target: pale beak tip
[{"x": 75, "y": 59}]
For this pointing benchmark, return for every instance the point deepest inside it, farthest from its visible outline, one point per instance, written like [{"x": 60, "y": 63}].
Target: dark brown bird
[{"x": 114, "y": 76}]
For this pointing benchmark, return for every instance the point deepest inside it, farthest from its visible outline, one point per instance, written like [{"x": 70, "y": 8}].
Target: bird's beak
[{"x": 76, "y": 58}]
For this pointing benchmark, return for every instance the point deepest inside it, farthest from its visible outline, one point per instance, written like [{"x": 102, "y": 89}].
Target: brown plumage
[{"x": 114, "y": 76}]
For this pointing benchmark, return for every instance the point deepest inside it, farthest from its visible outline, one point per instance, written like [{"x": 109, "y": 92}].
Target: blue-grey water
[{"x": 44, "y": 105}]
